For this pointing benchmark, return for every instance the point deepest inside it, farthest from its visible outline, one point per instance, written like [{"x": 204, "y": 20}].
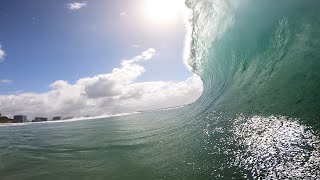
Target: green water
[{"x": 142, "y": 146}]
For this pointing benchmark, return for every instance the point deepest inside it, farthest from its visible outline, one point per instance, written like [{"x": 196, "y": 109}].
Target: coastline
[{"x": 4, "y": 119}]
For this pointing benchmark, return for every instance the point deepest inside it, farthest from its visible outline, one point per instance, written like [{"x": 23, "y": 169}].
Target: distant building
[
  {"x": 56, "y": 118},
  {"x": 20, "y": 118},
  {"x": 39, "y": 119}
]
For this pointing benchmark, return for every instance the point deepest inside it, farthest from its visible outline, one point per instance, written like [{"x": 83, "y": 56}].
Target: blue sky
[
  {"x": 45, "y": 41},
  {"x": 93, "y": 57}
]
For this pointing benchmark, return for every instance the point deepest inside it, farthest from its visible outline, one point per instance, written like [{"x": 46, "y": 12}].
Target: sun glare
[{"x": 163, "y": 10}]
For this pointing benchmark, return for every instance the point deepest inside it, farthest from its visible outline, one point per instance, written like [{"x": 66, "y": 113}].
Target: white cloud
[
  {"x": 123, "y": 14},
  {"x": 2, "y": 54},
  {"x": 76, "y": 5},
  {"x": 6, "y": 81},
  {"x": 111, "y": 93}
]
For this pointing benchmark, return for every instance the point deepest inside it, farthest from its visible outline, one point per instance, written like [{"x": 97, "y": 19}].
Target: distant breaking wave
[{"x": 72, "y": 119}]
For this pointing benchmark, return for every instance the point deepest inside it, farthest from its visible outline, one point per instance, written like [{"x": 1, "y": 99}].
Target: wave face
[
  {"x": 258, "y": 57},
  {"x": 258, "y": 117},
  {"x": 260, "y": 64}
]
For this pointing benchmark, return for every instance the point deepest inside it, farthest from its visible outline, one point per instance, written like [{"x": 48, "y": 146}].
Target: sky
[{"x": 76, "y": 58}]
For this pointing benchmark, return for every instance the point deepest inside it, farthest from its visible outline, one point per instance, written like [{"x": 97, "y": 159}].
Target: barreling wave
[
  {"x": 258, "y": 57},
  {"x": 260, "y": 65}
]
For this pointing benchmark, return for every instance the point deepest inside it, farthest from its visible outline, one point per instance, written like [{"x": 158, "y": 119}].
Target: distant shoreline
[{"x": 4, "y": 119}]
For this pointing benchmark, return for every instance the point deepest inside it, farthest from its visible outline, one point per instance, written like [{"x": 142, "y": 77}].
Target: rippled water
[{"x": 161, "y": 145}]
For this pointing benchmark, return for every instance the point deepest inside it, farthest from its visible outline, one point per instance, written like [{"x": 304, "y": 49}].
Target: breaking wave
[{"x": 259, "y": 62}]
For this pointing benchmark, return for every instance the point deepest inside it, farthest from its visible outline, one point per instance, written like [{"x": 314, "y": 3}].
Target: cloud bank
[
  {"x": 76, "y": 5},
  {"x": 112, "y": 93}
]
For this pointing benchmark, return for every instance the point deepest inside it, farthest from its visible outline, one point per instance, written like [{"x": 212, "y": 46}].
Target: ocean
[{"x": 258, "y": 116}]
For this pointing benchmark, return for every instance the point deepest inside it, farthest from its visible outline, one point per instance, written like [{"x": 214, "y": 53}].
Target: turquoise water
[{"x": 258, "y": 117}]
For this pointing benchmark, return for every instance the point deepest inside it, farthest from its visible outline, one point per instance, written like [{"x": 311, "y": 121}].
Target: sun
[{"x": 163, "y": 10}]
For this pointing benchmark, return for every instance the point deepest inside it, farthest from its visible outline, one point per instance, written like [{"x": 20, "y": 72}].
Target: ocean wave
[
  {"x": 260, "y": 60},
  {"x": 258, "y": 57}
]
